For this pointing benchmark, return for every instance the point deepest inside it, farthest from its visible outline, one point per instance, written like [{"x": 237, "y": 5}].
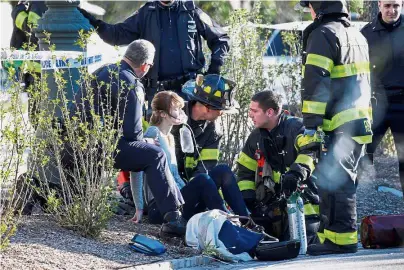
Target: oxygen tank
[
  {"x": 292, "y": 217},
  {"x": 301, "y": 225},
  {"x": 297, "y": 225}
]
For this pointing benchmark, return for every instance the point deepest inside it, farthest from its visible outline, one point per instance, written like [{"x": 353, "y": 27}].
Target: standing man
[
  {"x": 276, "y": 141},
  {"x": 126, "y": 95},
  {"x": 385, "y": 36},
  {"x": 176, "y": 29},
  {"x": 336, "y": 101}
]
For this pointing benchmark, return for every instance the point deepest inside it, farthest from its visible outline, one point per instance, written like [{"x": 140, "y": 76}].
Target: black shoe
[
  {"x": 175, "y": 225},
  {"x": 252, "y": 226},
  {"x": 330, "y": 248}
]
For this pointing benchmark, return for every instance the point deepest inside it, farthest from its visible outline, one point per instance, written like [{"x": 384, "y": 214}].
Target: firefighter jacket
[
  {"x": 24, "y": 19},
  {"x": 192, "y": 24},
  {"x": 206, "y": 150},
  {"x": 386, "y": 52},
  {"x": 278, "y": 147},
  {"x": 336, "y": 82}
]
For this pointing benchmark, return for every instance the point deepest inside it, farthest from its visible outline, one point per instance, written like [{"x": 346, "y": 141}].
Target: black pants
[
  {"x": 140, "y": 156},
  {"x": 389, "y": 115},
  {"x": 336, "y": 176},
  {"x": 201, "y": 193}
]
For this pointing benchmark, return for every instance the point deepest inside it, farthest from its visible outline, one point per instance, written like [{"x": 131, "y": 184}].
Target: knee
[
  {"x": 222, "y": 175},
  {"x": 202, "y": 180},
  {"x": 157, "y": 154}
]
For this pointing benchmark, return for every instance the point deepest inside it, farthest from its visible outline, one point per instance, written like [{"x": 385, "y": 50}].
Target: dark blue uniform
[
  {"x": 133, "y": 153},
  {"x": 386, "y": 52},
  {"x": 176, "y": 32}
]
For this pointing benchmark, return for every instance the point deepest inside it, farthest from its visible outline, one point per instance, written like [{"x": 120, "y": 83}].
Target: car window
[{"x": 276, "y": 45}]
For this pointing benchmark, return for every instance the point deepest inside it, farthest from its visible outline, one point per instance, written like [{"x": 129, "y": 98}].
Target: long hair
[{"x": 163, "y": 102}]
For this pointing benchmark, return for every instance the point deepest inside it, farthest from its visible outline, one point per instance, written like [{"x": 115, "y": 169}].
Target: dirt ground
[{"x": 41, "y": 244}]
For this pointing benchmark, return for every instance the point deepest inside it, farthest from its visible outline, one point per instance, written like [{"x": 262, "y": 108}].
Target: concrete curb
[{"x": 177, "y": 263}]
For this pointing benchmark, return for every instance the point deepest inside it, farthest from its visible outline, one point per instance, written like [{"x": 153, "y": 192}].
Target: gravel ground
[
  {"x": 383, "y": 173},
  {"x": 41, "y": 244}
]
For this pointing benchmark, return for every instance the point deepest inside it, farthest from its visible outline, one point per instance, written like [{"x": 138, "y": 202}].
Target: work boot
[
  {"x": 330, "y": 248},
  {"x": 175, "y": 225}
]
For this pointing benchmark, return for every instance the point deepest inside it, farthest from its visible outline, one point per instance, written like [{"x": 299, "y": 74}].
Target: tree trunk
[{"x": 370, "y": 10}]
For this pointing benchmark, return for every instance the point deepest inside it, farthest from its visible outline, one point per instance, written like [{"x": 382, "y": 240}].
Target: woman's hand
[{"x": 137, "y": 218}]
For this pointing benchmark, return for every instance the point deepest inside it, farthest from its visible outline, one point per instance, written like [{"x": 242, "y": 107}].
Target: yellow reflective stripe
[
  {"x": 349, "y": 238},
  {"x": 247, "y": 161},
  {"x": 363, "y": 139},
  {"x": 303, "y": 70},
  {"x": 342, "y": 71},
  {"x": 218, "y": 93},
  {"x": 30, "y": 66},
  {"x": 209, "y": 154},
  {"x": 345, "y": 117},
  {"x": 190, "y": 162},
  {"x": 320, "y": 61},
  {"x": 311, "y": 209},
  {"x": 246, "y": 185},
  {"x": 221, "y": 193},
  {"x": 314, "y": 107},
  {"x": 276, "y": 176},
  {"x": 19, "y": 21},
  {"x": 306, "y": 160},
  {"x": 33, "y": 18},
  {"x": 321, "y": 237}
]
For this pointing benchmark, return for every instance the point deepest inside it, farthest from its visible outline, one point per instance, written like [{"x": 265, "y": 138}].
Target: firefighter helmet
[{"x": 214, "y": 91}]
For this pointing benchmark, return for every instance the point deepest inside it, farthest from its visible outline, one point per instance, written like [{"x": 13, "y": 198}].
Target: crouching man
[
  {"x": 271, "y": 166},
  {"x": 119, "y": 85}
]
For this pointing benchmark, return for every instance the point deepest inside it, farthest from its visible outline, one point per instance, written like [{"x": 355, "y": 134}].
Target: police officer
[
  {"x": 135, "y": 64},
  {"x": 385, "y": 36},
  {"x": 273, "y": 142},
  {"x": 336, "y": 101},
  {"x": 175, "y": 28}
]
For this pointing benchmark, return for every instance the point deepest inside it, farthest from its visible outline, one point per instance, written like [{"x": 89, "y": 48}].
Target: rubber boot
[{"x": 329, "y": 247}]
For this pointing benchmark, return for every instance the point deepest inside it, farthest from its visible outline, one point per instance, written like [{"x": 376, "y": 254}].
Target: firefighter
[
  {"x": 385, "y": 36},
  {"x": 210, "y": 96},
  {"x": 336, "y": 101},
  {"x": 271, "y": 165}
]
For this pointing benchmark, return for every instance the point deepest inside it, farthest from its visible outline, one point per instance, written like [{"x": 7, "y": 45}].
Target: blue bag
[{"x": 147, "y": 246}]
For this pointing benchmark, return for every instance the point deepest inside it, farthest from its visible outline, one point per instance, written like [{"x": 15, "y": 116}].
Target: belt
[{"x": 170, "y": 84}]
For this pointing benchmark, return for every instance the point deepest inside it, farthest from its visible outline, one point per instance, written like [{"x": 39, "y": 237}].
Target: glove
[
  {"x": 309, "y": 140},
  {"x": 93, "y": 21},
  {"x": 289, "y": 182}
]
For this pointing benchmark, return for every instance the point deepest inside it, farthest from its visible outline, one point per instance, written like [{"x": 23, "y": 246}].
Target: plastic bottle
[{"x": 187, "y": 144}]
